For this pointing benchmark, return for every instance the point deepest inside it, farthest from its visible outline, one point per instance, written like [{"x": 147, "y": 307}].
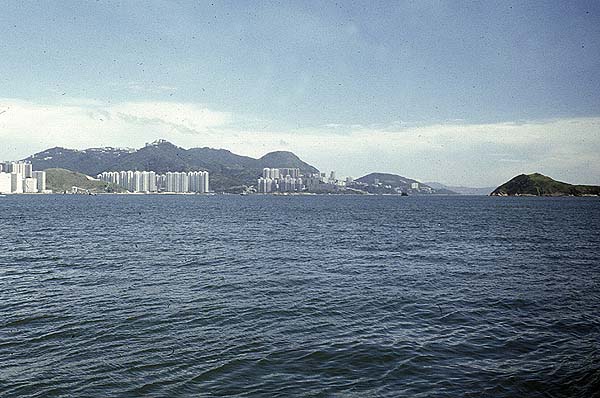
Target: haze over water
[{"x": 159, "y": 296}]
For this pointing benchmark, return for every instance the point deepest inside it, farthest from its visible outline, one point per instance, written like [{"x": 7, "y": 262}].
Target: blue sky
[{"x": 301, "y": 75}]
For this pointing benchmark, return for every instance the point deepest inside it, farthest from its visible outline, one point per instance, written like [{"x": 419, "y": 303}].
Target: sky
[{"x": 463, "y": 93}]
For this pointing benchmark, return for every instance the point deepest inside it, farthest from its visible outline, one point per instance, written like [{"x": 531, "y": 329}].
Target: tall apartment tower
[
  {"x": 40, "y": 176},
  {"x": 16, "y": 182},
  {"x": 185, "y": 182},
  {"x": 152, "y": 181}
]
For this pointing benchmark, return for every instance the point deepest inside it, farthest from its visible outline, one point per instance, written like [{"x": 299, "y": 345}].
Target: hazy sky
[{"x": 458, "y": 92}]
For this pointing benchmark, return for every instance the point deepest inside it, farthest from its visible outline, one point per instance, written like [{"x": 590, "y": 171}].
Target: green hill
[
  {"x": 62, "y": 180},
  {"x": 540, "y": 185}
]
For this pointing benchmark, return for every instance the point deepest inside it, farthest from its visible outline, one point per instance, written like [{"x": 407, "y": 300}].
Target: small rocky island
[{"x": 540, "y": 185}]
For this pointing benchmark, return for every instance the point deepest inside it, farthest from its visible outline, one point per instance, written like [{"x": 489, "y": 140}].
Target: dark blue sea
[{"x": 323, "y": 296}]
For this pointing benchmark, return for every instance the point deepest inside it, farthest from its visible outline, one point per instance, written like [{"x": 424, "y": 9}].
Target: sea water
[{"x": 349, "y": 296}]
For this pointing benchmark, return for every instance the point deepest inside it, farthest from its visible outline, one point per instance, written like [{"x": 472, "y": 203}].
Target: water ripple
[{"x": 306, "y": 296}]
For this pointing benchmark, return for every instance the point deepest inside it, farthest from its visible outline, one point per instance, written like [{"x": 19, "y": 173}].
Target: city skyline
[{"x": 500, "y": 89}]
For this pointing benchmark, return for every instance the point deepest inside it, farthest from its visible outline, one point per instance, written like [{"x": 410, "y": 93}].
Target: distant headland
[{"x": 537, "y": 184}]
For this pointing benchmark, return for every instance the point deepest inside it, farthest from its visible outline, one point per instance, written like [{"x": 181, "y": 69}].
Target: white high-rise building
[
  {"x": 292, "y": 172},
  {"x": 30, "y": 185},
  {"x": 194, "y": 184},
  {"x": 161, "y": 182},
  {"x": 28, "y": 170},
  {"x": 152, "y": 181},
  {"x": 40, "y": 176},
  {"x": 170, "y": 182},
  {"x": 5, "y": 183},
  {"x": 177, "y": 186},
  {"x": 185, "y": 182},
  {"x": 137, "y": 181},
  {"x": 206, "y": 187},
  {"x": 17, "y": 167},
  {"x": 145, "y": 182},
  {"x": 123, "y": 179},
  {"x": 23, "y": 168},
  {"x": 130, "y": 184},
  {"x": 16, "y": 182}
]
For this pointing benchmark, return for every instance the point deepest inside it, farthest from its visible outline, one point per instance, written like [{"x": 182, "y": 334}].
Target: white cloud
[
  {"x": 454, "y": 152},
  {"x": 81, "y": 124}
]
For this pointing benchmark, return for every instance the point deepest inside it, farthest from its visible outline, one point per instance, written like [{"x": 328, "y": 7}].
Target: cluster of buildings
[
  {"x": 19, "y": 177},
  {"x": 150, "y": 181},
  {"x": 282, "y": 180}
]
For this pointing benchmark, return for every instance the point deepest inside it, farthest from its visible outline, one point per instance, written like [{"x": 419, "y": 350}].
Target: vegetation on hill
[
  {"x": 540, "y": 185},
  {"x": 62, "y": 180}
]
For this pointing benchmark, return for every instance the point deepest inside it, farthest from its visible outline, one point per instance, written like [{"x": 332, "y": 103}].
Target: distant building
[
  {"x": 30, "y": 185},
  {"x": 40, "y": 177},
  {"x": 19, "y": 177},
  {"x": 198, "y": 181},
  {"x": 23, "y": 168},
  {"x": 5, "y": 183},
  {"x": 280, "y": 180},
  {"x": 292, "y": 172},
  {"x": 28, "y": 170},
  {"x": 16, "y": 182},
  {"x": 149, "y": 181},
  {"x": 152, "y": 183}
]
